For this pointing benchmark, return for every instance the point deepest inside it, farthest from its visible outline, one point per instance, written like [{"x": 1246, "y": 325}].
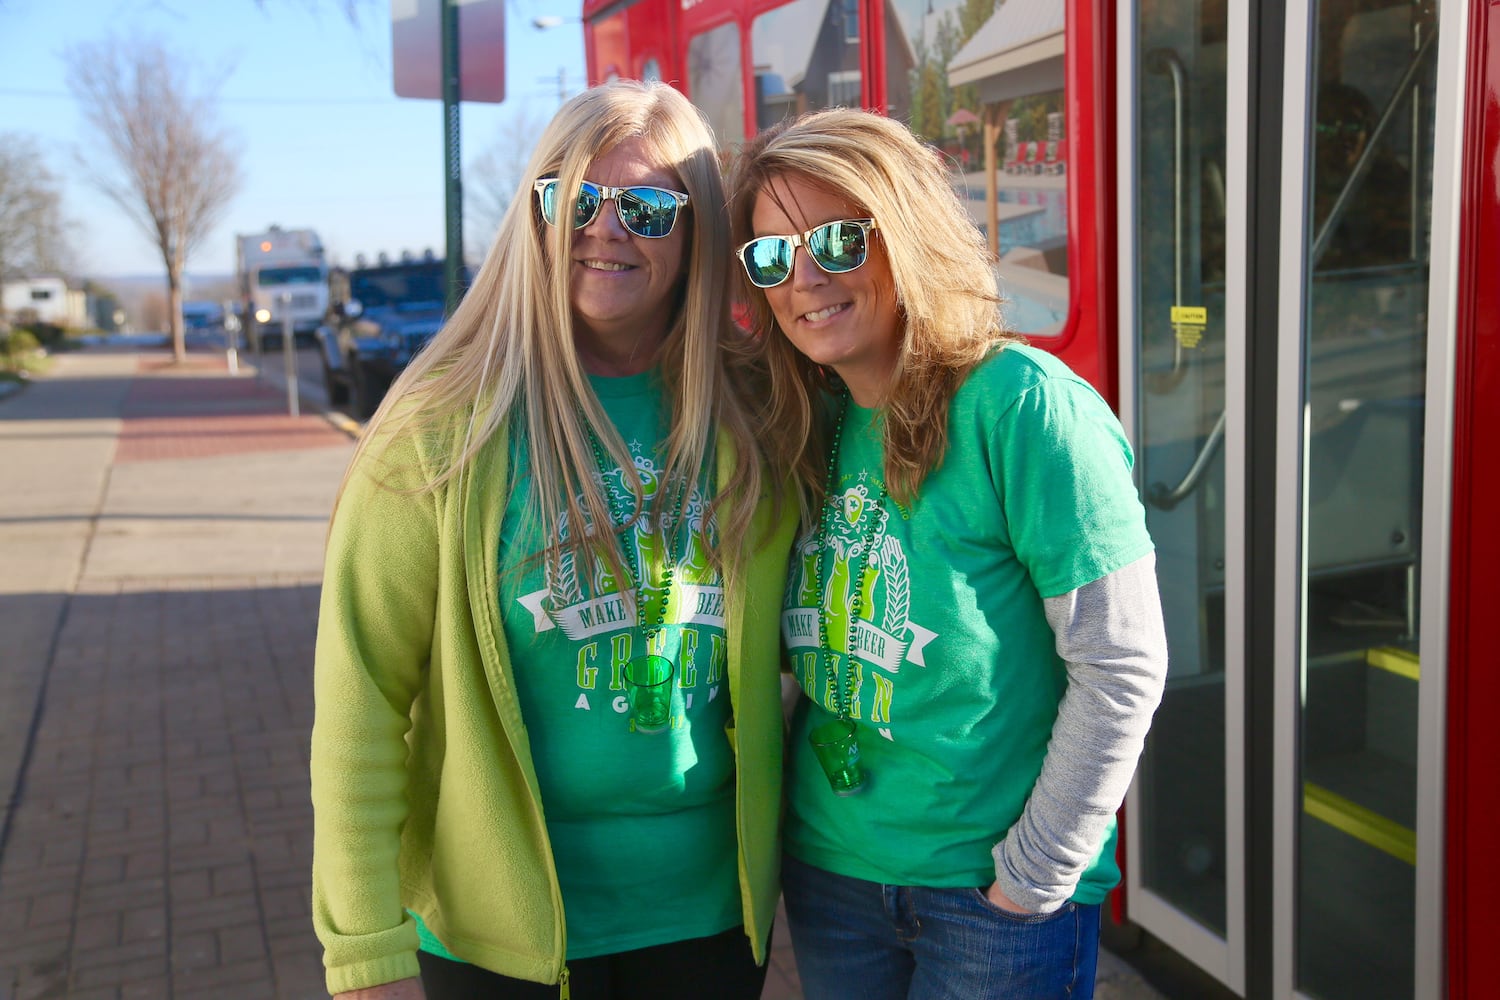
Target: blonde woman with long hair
[
  {"x": 972, "y": 614},
  {"x": 547, "y": 747}
]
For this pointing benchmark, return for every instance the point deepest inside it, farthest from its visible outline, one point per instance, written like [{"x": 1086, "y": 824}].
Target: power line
[
  {"x": 65, "y": 96},
  {"x": 61, "y": 95}
]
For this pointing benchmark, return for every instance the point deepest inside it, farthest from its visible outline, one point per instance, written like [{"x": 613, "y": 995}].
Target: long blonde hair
[
  {"x": 506, "y": 358},
  {"x": 945, "y": 288}
]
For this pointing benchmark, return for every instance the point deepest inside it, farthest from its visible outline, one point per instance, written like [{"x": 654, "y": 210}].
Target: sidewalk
[{"x": 163, "y": 534}]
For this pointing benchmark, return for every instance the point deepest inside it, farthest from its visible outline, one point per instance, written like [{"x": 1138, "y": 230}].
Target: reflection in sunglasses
[
  {"x": 646, "y": 211},
  {"x": 836, "y": 247}
]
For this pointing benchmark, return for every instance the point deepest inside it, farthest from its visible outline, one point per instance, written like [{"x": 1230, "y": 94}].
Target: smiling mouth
[
  {"x": 605, "y": 265},
  {"x": 822, "y": 314}
]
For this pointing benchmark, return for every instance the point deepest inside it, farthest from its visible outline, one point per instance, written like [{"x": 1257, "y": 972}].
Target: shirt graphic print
[
  {"x": 597, "y": 615},
  {"x": 630, "y": 815},
  {"x": 885, "y": 634}
]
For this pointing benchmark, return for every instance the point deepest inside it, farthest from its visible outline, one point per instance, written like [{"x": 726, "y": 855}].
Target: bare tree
[
  {"x": 496, "y": 173},
  {"x": 33, "y": 230},
  {"x": 168, "y": 164}
]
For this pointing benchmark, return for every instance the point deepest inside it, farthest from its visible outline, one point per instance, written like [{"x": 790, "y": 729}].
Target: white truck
[{"x": 281, "y": 272}]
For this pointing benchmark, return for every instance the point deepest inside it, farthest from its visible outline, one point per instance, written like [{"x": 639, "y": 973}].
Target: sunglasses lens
[
  {"x": 587, "y": 206},
  {"x": 768, "y": 260},
  {"x": 838, "y": 246},
  {"x": 646, "y": 211},
  {"x": 548, "y": 198}
]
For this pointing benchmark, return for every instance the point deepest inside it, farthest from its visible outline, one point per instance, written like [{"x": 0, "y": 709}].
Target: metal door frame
[
  {"x": 1436, "y": 492},
  {"x": 1221, "y": 957},
  {"x": 1226, "y": 958}
]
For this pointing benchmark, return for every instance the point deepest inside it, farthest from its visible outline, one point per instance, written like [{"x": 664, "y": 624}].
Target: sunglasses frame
[
  {"x": 866, "y": 226},
  {"x": 607, "y": 193}
]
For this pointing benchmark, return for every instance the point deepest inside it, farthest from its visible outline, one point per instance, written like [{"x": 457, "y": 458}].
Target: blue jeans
[{"x": 858, "y": 940}]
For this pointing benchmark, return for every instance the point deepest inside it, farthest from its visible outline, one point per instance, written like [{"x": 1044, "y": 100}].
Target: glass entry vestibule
[{"x": 1275, "y": 288}]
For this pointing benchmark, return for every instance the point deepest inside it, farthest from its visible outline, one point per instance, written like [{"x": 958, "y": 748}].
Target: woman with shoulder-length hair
[
  {"x": 547, "y": 746},
  {"x": 972, "y": 612}
]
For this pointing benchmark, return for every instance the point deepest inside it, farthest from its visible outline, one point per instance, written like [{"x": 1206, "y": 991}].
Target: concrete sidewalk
[{"x": 162, "y": 532}]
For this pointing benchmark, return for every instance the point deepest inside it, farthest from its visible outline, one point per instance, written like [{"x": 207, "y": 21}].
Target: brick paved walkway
[
  {"x": 230, "y": 415},
  {"x": 159, "y": 840},
  {"x": 162, "y": 846}
]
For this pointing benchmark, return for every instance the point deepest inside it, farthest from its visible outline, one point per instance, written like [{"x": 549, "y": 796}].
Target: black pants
[{"x": 712, "y": 968}]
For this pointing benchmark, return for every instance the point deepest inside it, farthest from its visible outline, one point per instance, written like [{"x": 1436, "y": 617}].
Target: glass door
[
  {"x": 1353, "y": 409},
  {"x": 1175, "y": 293},
  {"x": 1340, "y": 703}
]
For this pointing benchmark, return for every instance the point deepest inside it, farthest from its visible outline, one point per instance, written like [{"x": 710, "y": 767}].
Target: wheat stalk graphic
[{"x": 897, "y": 586}]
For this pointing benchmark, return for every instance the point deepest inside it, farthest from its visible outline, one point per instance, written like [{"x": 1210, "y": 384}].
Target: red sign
[{"x": 417, "y": 49}]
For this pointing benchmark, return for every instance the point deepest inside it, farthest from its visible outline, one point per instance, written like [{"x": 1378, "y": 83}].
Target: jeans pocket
[
  {"x": 1019, "y": 918},
  {"x": 983, "y": 952}
]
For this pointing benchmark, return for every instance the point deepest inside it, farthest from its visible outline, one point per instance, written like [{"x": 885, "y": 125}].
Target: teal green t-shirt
[
  {"x": 956, "y": 682},
  {"x": 642, "y": 824}
]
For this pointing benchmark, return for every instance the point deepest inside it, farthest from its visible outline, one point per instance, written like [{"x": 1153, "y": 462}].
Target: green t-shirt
[
  {"x": 956, "y": 681},
  {"x": 642, "y": 824}
]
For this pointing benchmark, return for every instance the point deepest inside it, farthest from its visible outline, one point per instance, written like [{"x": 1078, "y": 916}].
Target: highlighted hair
[
  {"x": 506, "y": 357},
  {"x": 945, "y": 291}
]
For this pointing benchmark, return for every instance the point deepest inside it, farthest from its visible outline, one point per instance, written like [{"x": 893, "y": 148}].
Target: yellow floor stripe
[
  {"x": 1360, "y": 823},
  {"x": 1397, "y": 661}
]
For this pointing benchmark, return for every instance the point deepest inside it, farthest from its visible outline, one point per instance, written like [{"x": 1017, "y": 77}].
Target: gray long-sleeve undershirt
[{"x": 1111, "y": 635}]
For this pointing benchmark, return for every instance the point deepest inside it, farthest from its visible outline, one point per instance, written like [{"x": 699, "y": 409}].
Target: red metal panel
[
  {"x": 1472, "y": 879},
  {"x": 607, "y": 48},
  {"x": 623, "y": 42},
  {"x": 653, "y": 36},
  {"x": 1087, "y": 338},
  {"x": 872, "y": 55}
]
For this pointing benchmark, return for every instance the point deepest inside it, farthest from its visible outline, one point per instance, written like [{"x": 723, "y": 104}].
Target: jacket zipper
[{"x": 564, "y": 993}]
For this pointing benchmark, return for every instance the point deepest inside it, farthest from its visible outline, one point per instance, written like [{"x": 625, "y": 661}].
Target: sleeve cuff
[{"x": 1022, "y": 893}]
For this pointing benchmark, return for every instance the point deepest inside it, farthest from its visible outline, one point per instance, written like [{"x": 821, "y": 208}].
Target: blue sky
[{"x": 324, "y": 141}]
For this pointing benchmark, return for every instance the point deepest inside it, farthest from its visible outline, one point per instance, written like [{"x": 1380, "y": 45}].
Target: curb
[{"x": 343, "y": 422}]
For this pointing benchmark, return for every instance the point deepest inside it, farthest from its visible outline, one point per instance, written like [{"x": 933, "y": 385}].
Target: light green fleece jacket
[{"x": 424, "y": 793}]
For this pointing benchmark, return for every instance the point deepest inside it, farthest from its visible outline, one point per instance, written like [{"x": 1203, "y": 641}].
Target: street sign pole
[
  {"x": 454, "y": 191},
  {"x": 289, "y": 356}
]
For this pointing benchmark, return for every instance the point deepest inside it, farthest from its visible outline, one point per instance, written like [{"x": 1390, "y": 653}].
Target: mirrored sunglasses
[
  {"x": 649, "y": 212},
  {"x": 836, "y": 247}
]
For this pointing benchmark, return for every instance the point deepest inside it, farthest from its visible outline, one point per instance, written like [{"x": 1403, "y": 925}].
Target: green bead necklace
[
  {"x": 842, "y": 692},
  {"x": 618, "y": 518}
]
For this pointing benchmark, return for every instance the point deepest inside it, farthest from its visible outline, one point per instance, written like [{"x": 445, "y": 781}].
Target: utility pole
[
  {"x": 453, "y": 259},
  {"x": 562, "y": 83}
]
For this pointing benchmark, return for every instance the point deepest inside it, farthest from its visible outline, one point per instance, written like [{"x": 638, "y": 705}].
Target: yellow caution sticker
[{"x": 1188, "y": 324}]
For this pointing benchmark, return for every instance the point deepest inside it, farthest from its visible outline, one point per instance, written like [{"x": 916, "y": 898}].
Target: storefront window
[
  {"x": 951, "y": 67},
  {"x": 806, "y": 57},
  {"x": 713, "y": 60}
]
